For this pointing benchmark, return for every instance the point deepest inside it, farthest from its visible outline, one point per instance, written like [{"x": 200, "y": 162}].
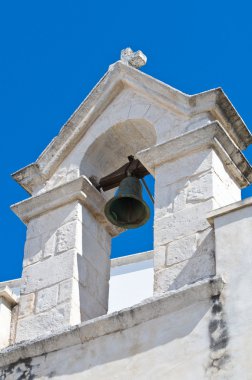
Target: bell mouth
[{"x": 127, "y": 212}]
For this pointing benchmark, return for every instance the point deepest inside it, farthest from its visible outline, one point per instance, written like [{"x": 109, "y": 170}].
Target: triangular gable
[{"x": 118, "y": 77}]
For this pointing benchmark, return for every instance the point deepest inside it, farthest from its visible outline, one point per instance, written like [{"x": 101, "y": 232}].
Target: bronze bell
[{"x": 127, "y": 209}]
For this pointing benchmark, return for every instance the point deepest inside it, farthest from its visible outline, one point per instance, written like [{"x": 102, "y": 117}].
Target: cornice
[
  {"x": 233, "y": 207},
  {"x": 80, "y": 189},
  {"x": 210, "y": 136}
]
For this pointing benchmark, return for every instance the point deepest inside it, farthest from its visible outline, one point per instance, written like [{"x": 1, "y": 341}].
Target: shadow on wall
[{"x": 200, "y": 265}]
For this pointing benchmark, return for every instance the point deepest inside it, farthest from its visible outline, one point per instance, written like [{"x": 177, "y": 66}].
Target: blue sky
[{"x": 54, "y": 52}]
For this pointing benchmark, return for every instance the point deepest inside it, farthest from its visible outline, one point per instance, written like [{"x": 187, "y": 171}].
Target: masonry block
[
  {"x": 48, "y": 272},
  {"x": 47, "y": 298},
  {"x": 26, "y": 305},
  {"x": 187, "y": 189},
  {"x": 32, "y": 251},
  {"x": 66, "y": 269}
]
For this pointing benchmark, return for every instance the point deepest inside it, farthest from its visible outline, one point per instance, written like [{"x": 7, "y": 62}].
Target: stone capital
[
  {"x": 210, "y": 136},
  {"x": 80, "y": 189}
]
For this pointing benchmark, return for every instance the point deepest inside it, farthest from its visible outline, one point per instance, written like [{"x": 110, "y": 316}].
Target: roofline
[{"x": 118, "y": 77}]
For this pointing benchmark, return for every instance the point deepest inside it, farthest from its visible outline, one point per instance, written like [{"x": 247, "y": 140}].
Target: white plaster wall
[
  {"x": 233, "y": 231},
  {"x": 173, "y": 346},
  {"x": 130, "y": 284}
]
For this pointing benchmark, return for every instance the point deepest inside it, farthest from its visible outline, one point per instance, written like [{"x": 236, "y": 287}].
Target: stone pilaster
[
  {"x": 66, "y": 263},
  {"x": 194, "y": 174}
]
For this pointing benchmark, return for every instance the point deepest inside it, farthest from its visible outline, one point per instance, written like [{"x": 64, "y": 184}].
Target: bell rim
[{"x": 129, "y": 226}]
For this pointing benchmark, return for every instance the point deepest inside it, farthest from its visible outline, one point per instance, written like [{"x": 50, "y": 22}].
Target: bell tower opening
[
  {"x": 132, "y": 250},
  {"x": 137, "y": 240},
  {"x": 108, "y": 153}
]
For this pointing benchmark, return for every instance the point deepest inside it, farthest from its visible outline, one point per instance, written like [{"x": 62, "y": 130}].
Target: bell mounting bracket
[{"x": 133, "y": 168}]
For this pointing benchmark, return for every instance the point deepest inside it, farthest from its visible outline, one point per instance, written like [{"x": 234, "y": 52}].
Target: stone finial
[{"x": 136, "y": 59}]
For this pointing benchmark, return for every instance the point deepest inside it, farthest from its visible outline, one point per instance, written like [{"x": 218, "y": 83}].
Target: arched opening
[
  {"x": 108, "y": 153},
  {"x": 111, "y": 149}
]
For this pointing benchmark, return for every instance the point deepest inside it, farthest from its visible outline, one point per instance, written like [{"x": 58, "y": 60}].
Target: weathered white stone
[
  {"x": 70, "y": 229},
  {"x": 184, "y": 141},
  {"x": 47, "y": 298},
  {"x": 48, "y": 272},
  {"x": 69, "y": 237},
  {"x": 49, "y": 244},
  {"x": 50, "y": 222},
  {"x": 214, "y": 103},
  {"x": 92, "y": 279},
  {"x": 95, "y": 254},
  {"x": 132, "y": 259},
  {"x": 46, "y": 323},
  {"x": 181, "y": 250},
  {"x": 182, "y": 223},
  {"x": 200, "y": 188},
  {"x": 68, "y": 290},
  {"x": 26, "y": 305},
  {"x": 193, "y": 164},
  {"x": 131, "y": 342},
  {"x": 90, "y": 305},
  {"x": 136, "y": 59},
  {"x": 92, "y": 230},
  {"x": 32, "y": 251},
  {"x": 160, "y": 257},
  {"x": 185, "y": 272},
  {"x": 212, "y": 135}
]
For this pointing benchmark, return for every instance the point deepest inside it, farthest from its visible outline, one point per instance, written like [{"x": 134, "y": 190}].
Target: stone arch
[{"x": 110, "y": 150}]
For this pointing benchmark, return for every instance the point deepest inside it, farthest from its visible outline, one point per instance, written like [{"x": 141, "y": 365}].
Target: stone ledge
[
  {"x": 147, "y": 310},
  {"x": 80, "y": 189},
  {"x": 8, "y": 295},
  {"x": 131, "y": 259},
  {"x": 210, "y": 136},
  {"x": 227, "y": 209}
]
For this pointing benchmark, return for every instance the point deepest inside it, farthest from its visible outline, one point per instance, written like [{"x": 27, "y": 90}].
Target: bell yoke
[{"x": 126, "y": 209}]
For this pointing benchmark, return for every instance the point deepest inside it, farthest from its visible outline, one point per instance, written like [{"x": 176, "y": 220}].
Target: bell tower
[{"x": 190, "y": 144}]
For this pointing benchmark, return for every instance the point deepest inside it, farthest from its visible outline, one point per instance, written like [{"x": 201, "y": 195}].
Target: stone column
[
  {"x": 66, "y": 265},
  {"x": 194, "y": 174}
]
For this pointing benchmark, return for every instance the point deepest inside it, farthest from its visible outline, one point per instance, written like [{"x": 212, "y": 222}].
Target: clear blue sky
[{"x": 54, "y": 52}]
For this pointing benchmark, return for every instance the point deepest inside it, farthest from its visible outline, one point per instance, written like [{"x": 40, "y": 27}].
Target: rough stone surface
[
  {"x": 47, "y": 298},
  {"x": 187, "y": 189},
  {"x": 66, "y": 268},
  {"x": 26, "y": 305},
  {"x": 194, "y": 110},
  {"x": 135, "y": 59},
  {"x": 192, "y": 145},
  {"x": 161, "y": 337}
]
